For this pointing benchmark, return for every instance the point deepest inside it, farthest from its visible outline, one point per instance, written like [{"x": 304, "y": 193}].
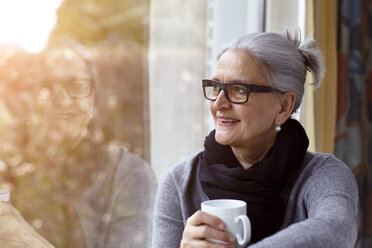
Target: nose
[
  {"x": 62, "y": 99},
  {"x": 221, "y": 101}
]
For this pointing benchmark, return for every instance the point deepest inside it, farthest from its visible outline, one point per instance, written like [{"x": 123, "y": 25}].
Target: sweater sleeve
[
  {"x": 329, "y": 199},
  {"x": 168, "y": 223}
]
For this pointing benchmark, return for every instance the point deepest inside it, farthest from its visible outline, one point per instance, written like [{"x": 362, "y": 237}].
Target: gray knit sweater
[{"x": 321, "y": 210}]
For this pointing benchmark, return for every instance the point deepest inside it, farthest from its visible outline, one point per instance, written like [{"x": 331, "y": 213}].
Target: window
[
  {"x": 74, "y": 150},
  {"x": 99, "y": 98}
]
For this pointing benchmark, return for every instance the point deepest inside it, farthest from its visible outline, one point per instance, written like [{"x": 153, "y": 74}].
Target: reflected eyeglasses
[
  {"x": 234, "y": 92},
  {"x": 75, "y": 88}
]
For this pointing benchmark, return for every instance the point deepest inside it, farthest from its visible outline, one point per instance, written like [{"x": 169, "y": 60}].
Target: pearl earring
[
  {"x": 91, "y": 116},
  {"x": 278, "y": 128}
]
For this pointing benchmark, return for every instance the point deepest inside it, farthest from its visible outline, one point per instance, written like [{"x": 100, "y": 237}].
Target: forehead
[
  {"x": 235, "y": 65},
  {"x": 66, "y": 63}
]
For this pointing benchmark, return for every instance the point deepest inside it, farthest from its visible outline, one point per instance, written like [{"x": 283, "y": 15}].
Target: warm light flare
[{"x": 27, "y": 23}]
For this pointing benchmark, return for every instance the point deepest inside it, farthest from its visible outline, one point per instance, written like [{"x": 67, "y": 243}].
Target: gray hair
[{"x": 283, "y": 59}]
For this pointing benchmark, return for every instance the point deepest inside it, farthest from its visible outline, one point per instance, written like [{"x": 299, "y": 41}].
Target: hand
[
  {"x": 202, "y": 226},
  {"x": 15, "y": 232}
]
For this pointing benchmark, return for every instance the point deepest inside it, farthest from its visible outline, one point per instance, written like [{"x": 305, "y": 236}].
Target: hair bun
[
  {"x": 313, "y": 60},
  {"x": 310, "y": 53},
  {"x": 305, "y": 58}
]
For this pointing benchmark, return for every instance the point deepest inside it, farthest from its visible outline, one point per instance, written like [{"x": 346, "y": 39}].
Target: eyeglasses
[
  {"x": 75, "y": 88},
  {"x": 234, "y": 92}
]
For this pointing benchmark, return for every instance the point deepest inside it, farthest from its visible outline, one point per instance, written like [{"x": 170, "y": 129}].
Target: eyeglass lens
[
  {"x": 77, "y": 88},
  {"x": 235, "y": 92}
]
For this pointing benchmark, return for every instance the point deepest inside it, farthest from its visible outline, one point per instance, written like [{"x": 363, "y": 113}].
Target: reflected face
[
  {"x": 248, "y": 124},
  {"x": 65, "y": 93}
]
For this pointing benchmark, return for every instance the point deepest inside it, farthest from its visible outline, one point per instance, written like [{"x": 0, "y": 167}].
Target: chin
[{"x": 222, "y": 139}]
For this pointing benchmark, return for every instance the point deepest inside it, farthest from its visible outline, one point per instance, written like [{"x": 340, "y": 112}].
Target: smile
[
  {"x": 63, "y": 115},
  {"x": 228, "y": 120}
]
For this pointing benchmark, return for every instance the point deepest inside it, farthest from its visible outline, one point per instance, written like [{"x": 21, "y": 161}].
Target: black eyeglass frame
[{"x": 250, "y": 88}]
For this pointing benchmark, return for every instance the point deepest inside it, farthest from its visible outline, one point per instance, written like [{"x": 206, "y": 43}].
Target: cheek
[
  {"x": 85, "y": 106},
  {"x": 260, "y": 115},
  {"x": 211, "y": 109}
]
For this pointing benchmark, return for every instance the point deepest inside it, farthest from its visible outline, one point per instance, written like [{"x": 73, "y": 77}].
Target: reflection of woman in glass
[{"x": 82, "y": 192}]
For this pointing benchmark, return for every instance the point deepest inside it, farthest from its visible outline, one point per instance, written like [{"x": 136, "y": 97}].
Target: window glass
[{"x": 74, "y": 149}]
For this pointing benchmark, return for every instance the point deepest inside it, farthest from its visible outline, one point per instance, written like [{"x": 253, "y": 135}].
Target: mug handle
[{"x": 246, "y": 230}]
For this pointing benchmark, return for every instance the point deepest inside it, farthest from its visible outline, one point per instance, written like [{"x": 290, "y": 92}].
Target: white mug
[{"x": 234, "y": 214}]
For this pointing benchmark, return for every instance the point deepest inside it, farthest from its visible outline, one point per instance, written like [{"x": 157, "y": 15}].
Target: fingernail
[
  {"x": 232, "y": 239},
  {"x": 221, "y": 226}
]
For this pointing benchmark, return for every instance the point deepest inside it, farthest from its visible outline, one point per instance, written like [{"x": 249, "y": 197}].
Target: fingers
[
  {"x": 201, "y": 227},
  {"x": 203, "y": 244},
  {"x": 6, "y": 210},
  {"x": 16, "y": 232},
  {"x": 203, "y": 232},
  {"x": 4, "y": 207},
  {"x": 201, "y": 217}
]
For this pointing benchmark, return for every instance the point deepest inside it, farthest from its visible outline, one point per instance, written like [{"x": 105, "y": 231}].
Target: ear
[{"x": 287, "y": 102}]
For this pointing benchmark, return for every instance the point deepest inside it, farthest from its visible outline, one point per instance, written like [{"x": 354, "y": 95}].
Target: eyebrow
[{"x": 230, "y": 81}]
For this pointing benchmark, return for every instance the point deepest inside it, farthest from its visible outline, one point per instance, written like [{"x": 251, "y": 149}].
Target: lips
[
  {"x": 226, "y": 121},
  {"x": 63, "y": 115}
]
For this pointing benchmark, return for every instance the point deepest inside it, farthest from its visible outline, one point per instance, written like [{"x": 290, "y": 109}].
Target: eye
[
  {"x": 79, "y": 87},
  {"x": 238, "y": 90}
]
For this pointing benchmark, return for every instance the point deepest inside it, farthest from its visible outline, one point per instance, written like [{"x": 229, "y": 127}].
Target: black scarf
[{"x": 260, "y": 186}]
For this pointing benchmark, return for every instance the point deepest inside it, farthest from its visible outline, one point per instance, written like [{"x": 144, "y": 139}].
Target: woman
[
  {"x": 257, "y": 153},
  {"x": 83, "y": 191}
]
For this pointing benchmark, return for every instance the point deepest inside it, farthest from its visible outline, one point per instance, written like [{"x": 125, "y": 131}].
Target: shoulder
[
  {"x": 131, "y": 161},
  {"x": 181, "y": 185},
  {"x": 325, "y": 165},
  {"x": 180, "y": 193},
  {"x": 130, "y": 167},
  {"x": 325, "y": 185},
  {"x": 324, "y": 175},
  {"x": 183, "y": 171}
]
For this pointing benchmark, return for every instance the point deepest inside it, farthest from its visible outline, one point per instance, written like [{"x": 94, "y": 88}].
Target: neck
[{"x": 252, "y": 154}]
